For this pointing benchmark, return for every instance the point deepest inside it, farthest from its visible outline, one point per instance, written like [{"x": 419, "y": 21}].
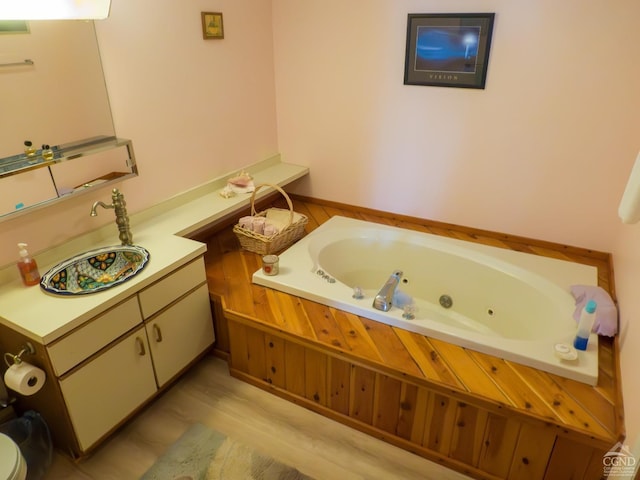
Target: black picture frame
[{"x": 448, "y": 49}]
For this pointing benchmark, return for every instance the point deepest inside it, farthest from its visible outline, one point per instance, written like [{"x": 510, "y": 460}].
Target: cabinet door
[
  {"x": 180, "y": 333},
  {"x": 100, "y": 394}
]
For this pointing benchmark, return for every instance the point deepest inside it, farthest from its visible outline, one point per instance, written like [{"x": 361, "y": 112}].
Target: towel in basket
[{"x": 289, "y": 226}]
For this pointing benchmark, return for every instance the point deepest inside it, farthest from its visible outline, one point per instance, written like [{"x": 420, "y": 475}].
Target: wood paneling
[
  {"x": 472, "y": 411},
  {"x": 532, "y": 452},
  {"x": 568, "y": 460},
  {"x": 361, "y": 394},
  {"x": 339, "y": 381},
  {"x": 275, "y": 360},
  {"x": 316, "y": 368},
  {"x": 441, "y": 415},
  {"x": 294, "y": 381},
  {"x": 498, "y": 445}
]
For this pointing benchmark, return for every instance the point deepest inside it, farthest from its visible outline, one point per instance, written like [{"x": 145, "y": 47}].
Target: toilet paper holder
[{"x": 26, "y": 349}]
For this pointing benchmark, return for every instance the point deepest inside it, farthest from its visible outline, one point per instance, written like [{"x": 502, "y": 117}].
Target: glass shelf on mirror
[
  {"x": 43, "y": 157},
  {"x": 63, "y": 172}
]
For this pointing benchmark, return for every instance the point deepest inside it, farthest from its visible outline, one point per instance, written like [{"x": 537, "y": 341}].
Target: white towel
[{"x": 279, "y": 217}]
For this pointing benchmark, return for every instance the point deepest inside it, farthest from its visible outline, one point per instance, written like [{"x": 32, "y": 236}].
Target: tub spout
[{"x": 384, "y": 298}]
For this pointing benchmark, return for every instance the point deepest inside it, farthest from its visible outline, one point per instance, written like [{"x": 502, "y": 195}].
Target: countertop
[{"x": 45, "y": 317}]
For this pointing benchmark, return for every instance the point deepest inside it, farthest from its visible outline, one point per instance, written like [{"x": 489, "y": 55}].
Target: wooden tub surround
[{"x": 475, "y": 413}]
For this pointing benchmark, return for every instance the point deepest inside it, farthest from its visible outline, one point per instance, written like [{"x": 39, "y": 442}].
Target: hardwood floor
[{"x": 317, "y": 446}]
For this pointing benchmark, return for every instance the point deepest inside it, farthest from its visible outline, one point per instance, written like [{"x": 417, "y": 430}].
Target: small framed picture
[
  {"x": 212, "y": 27},
  {"x": 448, "y": 49}
]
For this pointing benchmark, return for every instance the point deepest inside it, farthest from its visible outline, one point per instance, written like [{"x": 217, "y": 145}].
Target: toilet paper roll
[
  {"x": 24, "y": 378},
  {"x": 629, "y": 209}
]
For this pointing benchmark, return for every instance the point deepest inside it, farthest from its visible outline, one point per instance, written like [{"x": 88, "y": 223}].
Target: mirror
[
  {"x": 54, "y": 93},
  {"x": 60, "y": 97}
]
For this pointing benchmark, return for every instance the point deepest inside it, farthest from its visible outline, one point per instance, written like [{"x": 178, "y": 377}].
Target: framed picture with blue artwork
[{"x": 448, "y": 49}]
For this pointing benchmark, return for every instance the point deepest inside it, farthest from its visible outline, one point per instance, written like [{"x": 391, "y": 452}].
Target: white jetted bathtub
[{"x": 513, "y": 305}]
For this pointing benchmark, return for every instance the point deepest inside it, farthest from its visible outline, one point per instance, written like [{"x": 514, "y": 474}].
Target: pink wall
[
  {"x": 544, "y": 151},
  {"x": 195, "y": 109},
  {"x": 626, "y": 257}
]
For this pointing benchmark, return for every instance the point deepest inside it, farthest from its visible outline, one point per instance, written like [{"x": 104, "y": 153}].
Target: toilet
[{"x": 12, "y": 463}]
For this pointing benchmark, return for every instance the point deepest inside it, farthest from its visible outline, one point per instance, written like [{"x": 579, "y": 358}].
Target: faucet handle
[{"x": 409, "y": 311}]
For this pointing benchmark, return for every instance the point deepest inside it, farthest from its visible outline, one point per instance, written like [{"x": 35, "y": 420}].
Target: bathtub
[{"x": 509, "y": 304}]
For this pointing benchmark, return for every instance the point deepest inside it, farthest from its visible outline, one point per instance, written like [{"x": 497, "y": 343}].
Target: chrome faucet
[
  {"x": 122, "y": 219},
  {"x": 384, "y": 298}
]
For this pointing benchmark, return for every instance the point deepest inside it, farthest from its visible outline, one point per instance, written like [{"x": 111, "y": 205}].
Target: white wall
[
  {"x": 195, "y": 108},
  {"x": 544, "y": 151}
]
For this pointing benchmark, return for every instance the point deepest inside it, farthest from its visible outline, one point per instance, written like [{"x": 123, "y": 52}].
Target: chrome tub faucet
[
  {"x": 384, "y": 298},
  {"x": 122, "y": 218}
]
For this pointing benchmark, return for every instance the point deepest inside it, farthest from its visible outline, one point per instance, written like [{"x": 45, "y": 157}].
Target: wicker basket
[{"x": 258, "y": 243}]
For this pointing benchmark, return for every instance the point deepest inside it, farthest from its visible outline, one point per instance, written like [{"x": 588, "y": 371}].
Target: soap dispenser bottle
[
  {"x": 587, "y": 318},
  {"x": 28, "y": 267}
]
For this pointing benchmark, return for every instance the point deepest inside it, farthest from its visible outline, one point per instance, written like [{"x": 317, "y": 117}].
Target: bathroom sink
[{"x": 95, "y": 270}]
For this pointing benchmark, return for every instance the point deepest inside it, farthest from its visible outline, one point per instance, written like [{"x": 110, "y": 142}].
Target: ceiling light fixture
[{"x": 54, "y": 9}]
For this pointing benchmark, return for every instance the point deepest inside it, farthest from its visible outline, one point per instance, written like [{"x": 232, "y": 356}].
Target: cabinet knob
[
  {"x": 157, "y": 332},
  {"x": 140, "y": 346}
]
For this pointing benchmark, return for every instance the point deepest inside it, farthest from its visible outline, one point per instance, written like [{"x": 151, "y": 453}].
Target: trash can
[{"x": 31, "y": 433}]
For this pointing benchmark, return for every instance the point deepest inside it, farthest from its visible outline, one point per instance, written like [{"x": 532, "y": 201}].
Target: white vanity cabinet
[
  {"x": 106, "y": 355},
  {"x": 114, "y": 363},
  {"x": 105, "y": 390},
  {"x": 179, "y": 334}
]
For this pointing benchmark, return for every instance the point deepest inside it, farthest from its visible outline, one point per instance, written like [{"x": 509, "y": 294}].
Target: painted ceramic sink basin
[{"x": 95, "y": 270}]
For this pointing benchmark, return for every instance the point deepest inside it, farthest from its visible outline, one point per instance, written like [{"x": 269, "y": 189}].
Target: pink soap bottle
[{"x": 28, "y": 267}]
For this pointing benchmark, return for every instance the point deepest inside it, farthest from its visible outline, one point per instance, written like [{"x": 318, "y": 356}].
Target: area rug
[{"x": 205, "y": 454}]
